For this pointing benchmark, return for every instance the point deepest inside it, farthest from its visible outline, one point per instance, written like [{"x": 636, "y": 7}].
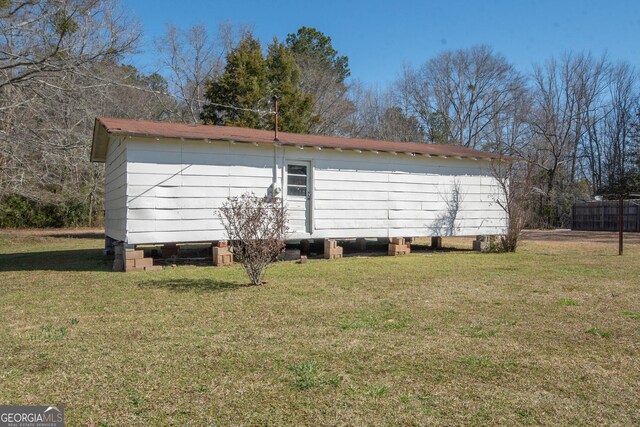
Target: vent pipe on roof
[{"x": 275, "y": 101}]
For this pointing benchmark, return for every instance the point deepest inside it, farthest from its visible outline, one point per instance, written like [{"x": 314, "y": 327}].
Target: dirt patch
[
  {"x": 45, "y": 232},
  {"x": 579, "y": 236}
]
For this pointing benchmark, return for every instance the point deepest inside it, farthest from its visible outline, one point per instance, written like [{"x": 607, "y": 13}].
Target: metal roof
[{"x": 141, "y": 128}]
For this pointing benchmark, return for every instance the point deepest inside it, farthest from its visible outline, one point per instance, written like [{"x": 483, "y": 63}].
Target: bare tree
[
  {"x": 514, "y": 195},
  {"x": 190, "y": 58},
  {"x": 59, "y": 69},
  {"x": 618, "y": 123},
  {"x": 564, "y": 93},
  {"x": 564, "y": 112},
  {"x": 331, "y": 103},
  {"x": 44, "y": 137},
  {"x": 377, "y": 116},
  {"x": 323, "y": 76},
  {"x": 40, "y": 38},
  {"x": 257, "y": 227},
  {"x": 469, "y": 88}
]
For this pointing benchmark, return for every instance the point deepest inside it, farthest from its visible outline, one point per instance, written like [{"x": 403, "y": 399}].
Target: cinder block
[
  {"x": 143, "y": 262},
  {"x": 222, "y": 256},
  {"x": 397, "y": 240},
  {"x": 222, "y": 260},
  {"x": 334, "y": 253},
  {"x": 135, "y": 269},
  {"x": 216, "y": 251},
  {"x": 398, "y": 249},
  {"x": 129, "y": 263},
  {"x": 222, "y": 244},
  {"x": 330, "y": 244},
  {"x": 133, "y": 254},
  {"x": 303, "y": 259},
  {"x": 481, "y": 246},
  {"x": 331, "y": 249},
  {"x": 153, "y": 268},
  {"x": 436, "y": 242},
  {"x": 484, "y": 243}
]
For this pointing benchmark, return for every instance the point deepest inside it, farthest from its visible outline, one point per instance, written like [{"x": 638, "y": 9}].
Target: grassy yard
[{"x": 548, "y": 335}]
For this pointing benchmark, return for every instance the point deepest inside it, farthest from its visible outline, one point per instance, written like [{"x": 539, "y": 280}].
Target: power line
[
  {"x": 108, "y": 82},
  {"x": 263, "y": 112}
]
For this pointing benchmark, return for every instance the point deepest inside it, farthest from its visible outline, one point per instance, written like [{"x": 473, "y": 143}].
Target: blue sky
[{"x": 379, "y": 37}]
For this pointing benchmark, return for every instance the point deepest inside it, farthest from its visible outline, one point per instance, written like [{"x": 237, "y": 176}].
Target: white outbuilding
[{"x": 164, "y": 182}]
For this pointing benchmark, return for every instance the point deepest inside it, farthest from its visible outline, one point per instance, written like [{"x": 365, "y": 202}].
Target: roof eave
[
  {"x": 99, "y": 143},
  {"x": 102, "y": 133}
]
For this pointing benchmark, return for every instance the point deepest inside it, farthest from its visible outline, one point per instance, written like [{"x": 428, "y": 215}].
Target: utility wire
[{"x": 108, "y": 82}]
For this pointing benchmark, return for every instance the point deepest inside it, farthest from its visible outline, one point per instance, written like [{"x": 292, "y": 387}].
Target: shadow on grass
[
  {"x": 72, "y": 260},
  {"x": 383, "y": 252},
  {"x": 415, "y": 248},
  {"x": 88, "y": 235},
  {"x": 350, "y": 249},
  {"x": 193, "y": 285}
]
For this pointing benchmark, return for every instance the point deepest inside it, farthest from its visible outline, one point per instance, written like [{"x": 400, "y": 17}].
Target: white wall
[
  {"x": 174, "y": 188},
  {"x": 385, "y": 195},
  {"x": 115, "y": 190}
]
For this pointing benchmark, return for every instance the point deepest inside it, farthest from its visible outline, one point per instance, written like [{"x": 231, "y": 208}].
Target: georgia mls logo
[{"x": 31, "y": 416}]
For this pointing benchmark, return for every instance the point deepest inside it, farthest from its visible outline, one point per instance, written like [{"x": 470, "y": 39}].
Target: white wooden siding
[
  {"x": 174, "y": 189},
  {"x": 386, "y": 195},
  {"x": 115, "y": 187}
]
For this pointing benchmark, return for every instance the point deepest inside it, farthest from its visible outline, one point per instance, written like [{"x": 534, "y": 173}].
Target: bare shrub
[
  {"x": 515, "y": 186},
  {"x": 257, "y": 226}
]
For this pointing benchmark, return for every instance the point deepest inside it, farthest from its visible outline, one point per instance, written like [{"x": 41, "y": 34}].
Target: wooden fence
[{"x": 603, "y": 215}]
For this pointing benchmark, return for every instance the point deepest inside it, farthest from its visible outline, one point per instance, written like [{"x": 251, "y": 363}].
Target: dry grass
[{"x": 548, "y": 335}]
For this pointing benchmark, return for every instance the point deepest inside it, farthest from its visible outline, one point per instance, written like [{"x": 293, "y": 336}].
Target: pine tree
[
  {"x": 308, "y": 41},
  {"x": 438, "y": 128},
  {"x": 250, "y": 81},
  {"x": 284, "y": 78},
  {"x": 323, "y": 75},
  {"x": 242, "y": 84}
]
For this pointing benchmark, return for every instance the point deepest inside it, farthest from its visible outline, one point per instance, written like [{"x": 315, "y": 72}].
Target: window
[{"x": 297, "y": 180}]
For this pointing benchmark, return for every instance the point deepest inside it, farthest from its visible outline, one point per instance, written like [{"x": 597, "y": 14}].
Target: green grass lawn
[{"x": 548, "y": 335}]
